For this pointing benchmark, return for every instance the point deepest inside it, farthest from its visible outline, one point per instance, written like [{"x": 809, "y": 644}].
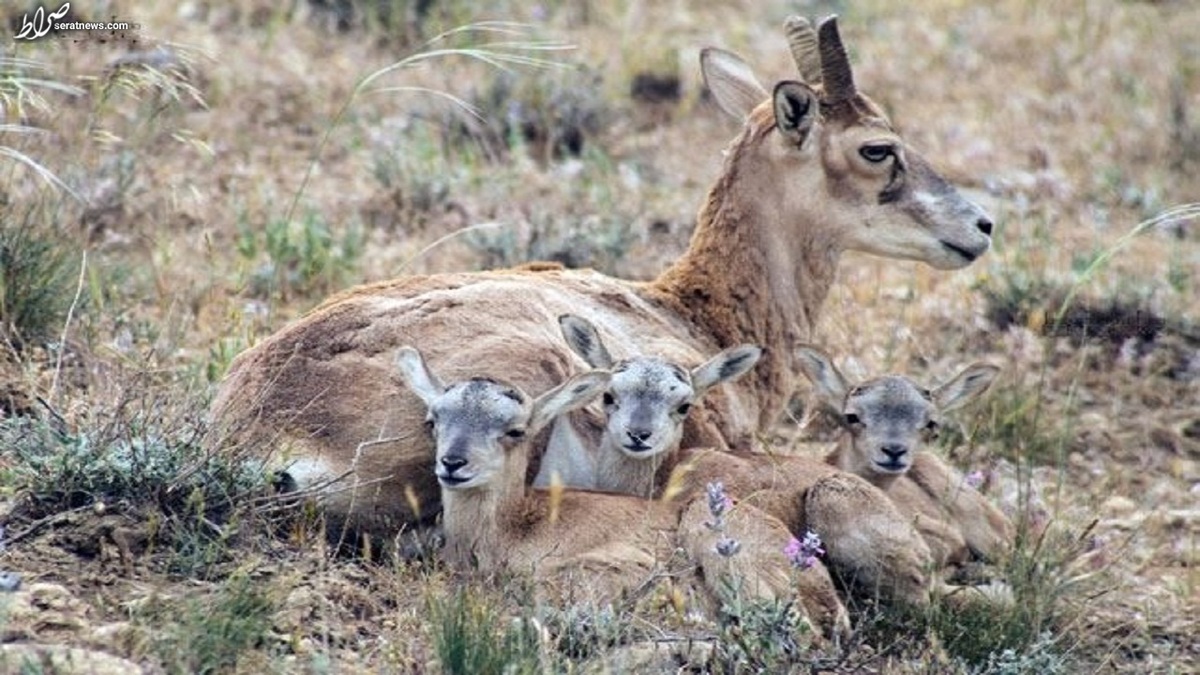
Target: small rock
[
  {"x": 121, "y": 636},
  {"x": 1117, "y": 506}
]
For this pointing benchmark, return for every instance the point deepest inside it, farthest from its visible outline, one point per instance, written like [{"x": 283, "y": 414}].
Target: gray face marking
[
  {"x": 643, "y": 404},
  {"x": 471, "y": 421},
  {"x": 888, "y": 417}
]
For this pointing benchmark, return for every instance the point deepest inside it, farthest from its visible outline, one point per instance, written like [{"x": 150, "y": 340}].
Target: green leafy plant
[{"x": 302, "y": 258}]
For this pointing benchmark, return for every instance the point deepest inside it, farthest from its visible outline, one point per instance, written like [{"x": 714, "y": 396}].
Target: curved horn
[
  {"x": 835, "y": 65},
  {"x": 802, "y": 39}
]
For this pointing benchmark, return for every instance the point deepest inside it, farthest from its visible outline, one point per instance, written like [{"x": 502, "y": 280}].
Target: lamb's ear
[
  {"x": 965, "y": 386},
  {"x": 728, "y": 365},
  {"x": 828, "y": 382},
  {"x": 795, "y": 110},
  {"x": 574, "y": 393},
  {"x": 583, "y": 338},
  {"x": 731, "y": 81},
  {"x": 416, "y": 375}
]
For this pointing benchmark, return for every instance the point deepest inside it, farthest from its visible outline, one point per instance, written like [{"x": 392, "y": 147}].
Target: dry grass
[{"x": 225, "y": 186}]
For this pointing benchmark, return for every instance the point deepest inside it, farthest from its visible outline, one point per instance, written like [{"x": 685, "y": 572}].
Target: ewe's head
[
  {"x": 835, "y": 151},
  {"x": 648, "y": 398},
  {"x": 477, "y": 423},
  {"x": 888, "y": 418}
]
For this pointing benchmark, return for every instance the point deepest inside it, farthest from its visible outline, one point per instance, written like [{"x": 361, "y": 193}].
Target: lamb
[
  {"x": 817, "y": 170},
  {"x": 886, "y": 421},
  {"x": 578, "y": 544},
  {"x": 645, "y": 407}
]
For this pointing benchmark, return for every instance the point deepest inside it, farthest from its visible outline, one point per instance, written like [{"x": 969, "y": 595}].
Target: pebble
[{"x": 10, "y": 581}]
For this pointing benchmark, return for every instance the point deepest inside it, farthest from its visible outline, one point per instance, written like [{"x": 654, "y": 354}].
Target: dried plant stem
[{"x": 62, "y": 341}]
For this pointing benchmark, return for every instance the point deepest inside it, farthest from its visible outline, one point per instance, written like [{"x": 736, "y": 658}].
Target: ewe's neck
[{"x": 752, "y": 276}]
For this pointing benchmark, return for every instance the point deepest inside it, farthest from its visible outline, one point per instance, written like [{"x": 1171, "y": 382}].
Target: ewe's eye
[
  {"x": 608, "y": 399},
  {"x": 515, "y": 433},
  {"x": 876, "y": 153},
  {"x": 852, "y": 419},
  {"x": 683, "y": 409}
]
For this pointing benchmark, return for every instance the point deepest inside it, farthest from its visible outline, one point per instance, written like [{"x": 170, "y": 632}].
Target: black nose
[
  {"x": 894, "y": 451},
  {"x": 984, "y": 225},
  {"x": 453, "y": 463},
  {"x": 639, "y": 435}
]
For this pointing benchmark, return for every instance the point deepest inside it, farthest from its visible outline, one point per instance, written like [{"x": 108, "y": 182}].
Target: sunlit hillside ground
[{"x": 168, "y": 202}]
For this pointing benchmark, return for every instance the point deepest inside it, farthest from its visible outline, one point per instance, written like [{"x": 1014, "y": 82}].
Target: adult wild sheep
[{"x": 816, "y": 170}]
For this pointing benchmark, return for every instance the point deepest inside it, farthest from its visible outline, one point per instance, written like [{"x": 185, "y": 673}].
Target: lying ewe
[
  {"x": 645, "y": 406},
  {"x": 817, "y": 170},
  {"x": 585, "y": 543},
  {"x": 887, "y": 420},
  {"x": 866, "y": 537}
]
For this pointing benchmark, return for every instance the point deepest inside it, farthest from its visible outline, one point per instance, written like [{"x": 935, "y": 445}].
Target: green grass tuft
[
  {"x": 210, "y": 635},
  {"x": 471, "y": 637}
]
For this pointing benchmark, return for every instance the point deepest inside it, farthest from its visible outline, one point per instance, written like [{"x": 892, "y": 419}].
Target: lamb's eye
[
  {"x": 608, "y": 399},
  {"x": 683, "y": 409},
  {"x": 876, "y": 153},
  {"x": 852, "y": 419},
  {"x": 515, "y": 433}
]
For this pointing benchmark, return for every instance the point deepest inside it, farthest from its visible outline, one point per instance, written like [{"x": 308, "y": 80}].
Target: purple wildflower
[
  {"x": 726, "y": 547},
  {"x": 974, "y": 479},
  {"x": 719, "y": 504},
  {"x": 803, "y": 553}
]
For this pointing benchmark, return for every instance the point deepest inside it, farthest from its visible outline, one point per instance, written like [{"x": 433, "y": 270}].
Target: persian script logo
[{"x": 42, "y": 22}]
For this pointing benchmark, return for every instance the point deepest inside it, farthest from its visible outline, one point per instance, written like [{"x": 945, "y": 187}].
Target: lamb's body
[
  {"x": 817, "y": 170},
  {"x": 957, "y": 522}
]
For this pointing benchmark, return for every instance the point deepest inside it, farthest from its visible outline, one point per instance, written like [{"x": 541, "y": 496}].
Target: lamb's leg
[
  {"x": 868, "y": 542},
  {"x": 987, "y": 531}
]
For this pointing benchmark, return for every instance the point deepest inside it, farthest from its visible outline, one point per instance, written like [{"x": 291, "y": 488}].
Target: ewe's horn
[
  {"x": 802, "y": 39},
  {"x": 835, "y": 65}
]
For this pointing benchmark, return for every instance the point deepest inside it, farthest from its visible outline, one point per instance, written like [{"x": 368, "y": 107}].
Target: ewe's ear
[
  {"x": 416, "y": 375},
  {"x": 965, "y": 387},
  {"x": 730, "y": 364},
  {"x": 828, "y": 382},
  {"x": 583, "y": 338},
  {"x": 795, "y": 110},
  {"x": 574, "y": 393},
  {"x": 731, "y": 81}
]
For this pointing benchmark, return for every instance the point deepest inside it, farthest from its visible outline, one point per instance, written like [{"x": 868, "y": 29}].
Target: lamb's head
[
  {"x": 887, "y": 419},
  {"x": 478, "y": 423},
  {"x": 874, "y": 191},
  {"x": 648, "y": 398}
]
